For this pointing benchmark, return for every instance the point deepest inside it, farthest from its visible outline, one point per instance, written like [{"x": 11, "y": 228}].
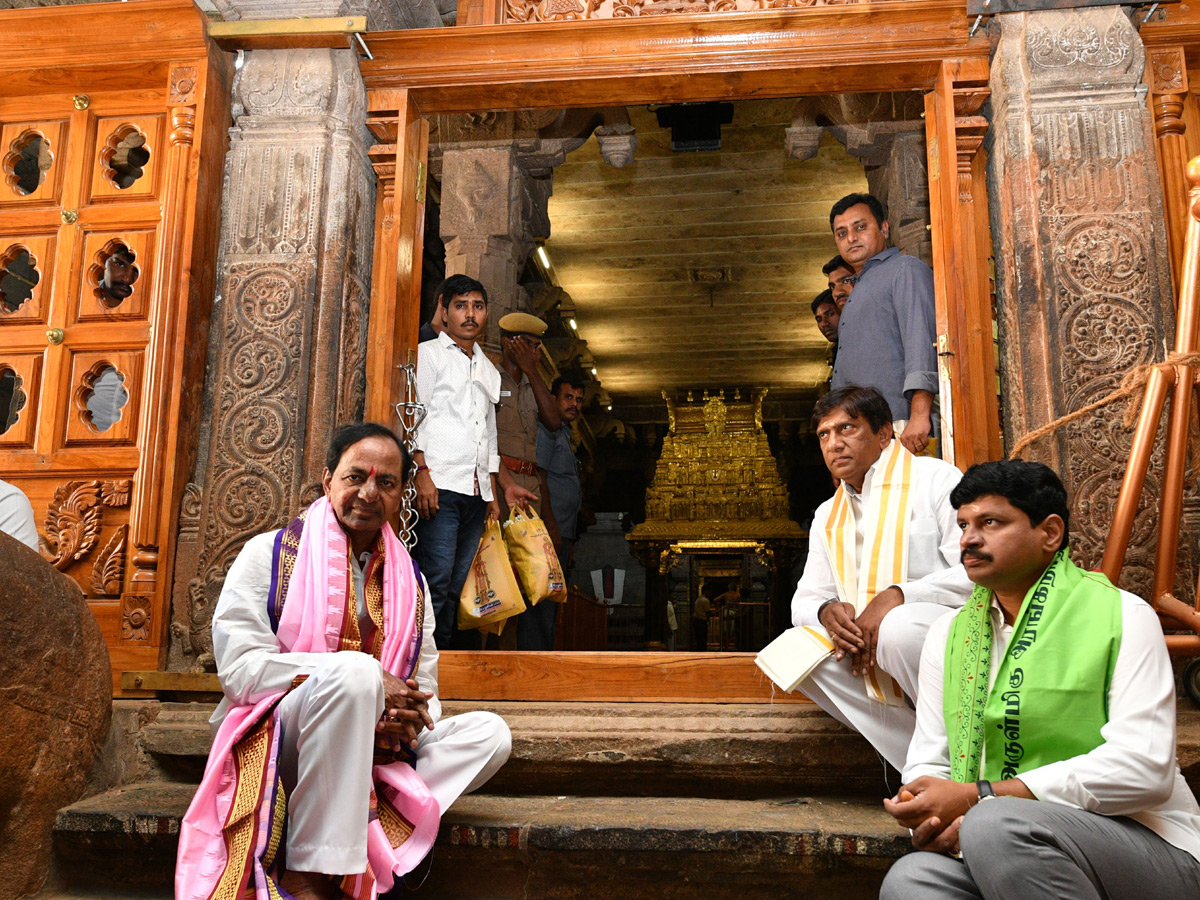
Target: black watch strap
[{"x": 985, "y": 790}]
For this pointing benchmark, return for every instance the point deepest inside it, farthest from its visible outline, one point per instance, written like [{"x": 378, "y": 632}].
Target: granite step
[
  {"x": 562, "y": 847},
  {"x": 623, "y": 749}
]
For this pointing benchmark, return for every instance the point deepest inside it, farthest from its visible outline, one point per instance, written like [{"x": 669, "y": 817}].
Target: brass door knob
[
  {"x": 69, "y": 216},
  {"x": 56, "y": 336}
]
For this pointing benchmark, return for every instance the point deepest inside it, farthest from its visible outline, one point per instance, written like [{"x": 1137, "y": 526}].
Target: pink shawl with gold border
[{"x": 230, "y": 838}]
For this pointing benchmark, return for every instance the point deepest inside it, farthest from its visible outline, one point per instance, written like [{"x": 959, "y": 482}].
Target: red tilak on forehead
[{"x": 372, "y": 473}]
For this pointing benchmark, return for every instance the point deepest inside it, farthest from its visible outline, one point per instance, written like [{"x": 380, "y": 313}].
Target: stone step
[
  {"x": 124, "y": 838},
  {"x": 622, "y": 749},
  {"x": 498, "y": 847}
]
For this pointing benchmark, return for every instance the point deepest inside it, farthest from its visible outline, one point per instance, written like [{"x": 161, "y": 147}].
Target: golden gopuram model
[{"x": 716, "y": 488}]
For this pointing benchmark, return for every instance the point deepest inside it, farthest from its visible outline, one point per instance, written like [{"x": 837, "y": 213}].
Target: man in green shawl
[{"x": 1043, "y": 762}]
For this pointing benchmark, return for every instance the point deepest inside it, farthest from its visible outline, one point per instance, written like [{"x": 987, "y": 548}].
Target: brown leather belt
[{"x": 519, "y": 466}]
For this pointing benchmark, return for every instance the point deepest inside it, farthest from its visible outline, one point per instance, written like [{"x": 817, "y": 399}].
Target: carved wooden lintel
[{"x": 527, "y": 11}]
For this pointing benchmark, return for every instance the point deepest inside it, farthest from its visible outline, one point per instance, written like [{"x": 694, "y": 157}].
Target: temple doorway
[
  {"x": 421, "y": 109},
  {"x": 675, "y": 252}
]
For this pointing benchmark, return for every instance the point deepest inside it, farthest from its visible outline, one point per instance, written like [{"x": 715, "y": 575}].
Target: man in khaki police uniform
[{"x": 524, "y": 399}]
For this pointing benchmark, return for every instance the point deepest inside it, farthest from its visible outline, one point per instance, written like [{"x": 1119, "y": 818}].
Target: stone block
[{"x": 56, "y": 690}]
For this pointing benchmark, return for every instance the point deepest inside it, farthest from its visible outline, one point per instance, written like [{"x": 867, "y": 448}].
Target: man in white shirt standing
[
  {"x": 882, "y": 567},
  {"x": 456, "y": 454},
  {"x": 1051, "y": 697}
]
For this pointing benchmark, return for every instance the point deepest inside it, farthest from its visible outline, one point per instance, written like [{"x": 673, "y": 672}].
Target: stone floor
[{"x": 666, "y": 801}]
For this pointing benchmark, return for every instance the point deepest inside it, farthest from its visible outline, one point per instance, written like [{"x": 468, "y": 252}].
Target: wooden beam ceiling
[{"x": 624, "y": 240}]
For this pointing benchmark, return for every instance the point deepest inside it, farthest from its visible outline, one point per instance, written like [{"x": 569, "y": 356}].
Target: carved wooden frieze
[
  {"x": 108, "y": 571},
  {"x": 1166, "y": 71},
  {"x": 1083, "y": 293},
  {"x": 522, "y": 11},
  {"x": 73, "y": 522},
  {"x": 75, "y": 516}
]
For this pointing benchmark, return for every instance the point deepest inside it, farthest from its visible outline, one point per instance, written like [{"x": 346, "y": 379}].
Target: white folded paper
[{"x": 792, "y": 656}]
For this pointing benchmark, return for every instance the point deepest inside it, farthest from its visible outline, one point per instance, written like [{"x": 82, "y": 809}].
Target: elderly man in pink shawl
[{"x": 330, "y": 767}]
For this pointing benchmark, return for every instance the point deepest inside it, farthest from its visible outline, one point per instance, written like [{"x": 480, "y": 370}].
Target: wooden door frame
[{"x": 915, "y": 45}]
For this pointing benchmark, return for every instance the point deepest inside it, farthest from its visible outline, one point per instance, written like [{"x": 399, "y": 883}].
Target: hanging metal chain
[{"x": 410, "y": 412}]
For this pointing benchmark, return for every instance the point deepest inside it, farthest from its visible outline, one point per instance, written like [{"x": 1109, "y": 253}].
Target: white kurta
[
  {"x": 1133, "y": 773},
  {"x": 937, "y": 585},
  {"x": 16, "y": 515},
  {"x": 329, "y": 720}
]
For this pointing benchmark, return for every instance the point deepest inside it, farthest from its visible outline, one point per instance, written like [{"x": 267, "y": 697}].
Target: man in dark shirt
[
  {"x": 437, "y": 322},
  {"x": 887, "y": 334},
  {"x": 827, "y": 314},
  {"x": 841, "y": 280},
  {"x": 525, "y": 401},
  {"x": 557, "y": 457}
]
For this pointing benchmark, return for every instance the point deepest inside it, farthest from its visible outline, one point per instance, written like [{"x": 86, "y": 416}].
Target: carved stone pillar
[
  {"x": 288, "y": 340},
  {"x": 905, "y": 191},
  {"x": 1083, "y": 291},
  {"x": 483, "y": 225}
]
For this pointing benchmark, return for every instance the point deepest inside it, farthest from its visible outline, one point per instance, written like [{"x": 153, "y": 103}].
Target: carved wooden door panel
[{"x": 85, "y": 198}]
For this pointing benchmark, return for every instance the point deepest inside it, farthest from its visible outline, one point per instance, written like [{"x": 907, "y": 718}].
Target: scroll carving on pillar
[
  {"x": 288, "y": 343},
  {"x": 1083, "y": 287}
]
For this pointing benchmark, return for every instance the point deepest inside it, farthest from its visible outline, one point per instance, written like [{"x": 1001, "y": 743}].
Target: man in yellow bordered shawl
[
  {"x": 882, "y": 567},
  {"x": 1043, "y": 765},
  {"x": 330, "y": 767}
]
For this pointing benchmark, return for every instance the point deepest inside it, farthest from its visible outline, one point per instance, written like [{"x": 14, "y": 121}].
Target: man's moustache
[{"x": 984, "y": 557}]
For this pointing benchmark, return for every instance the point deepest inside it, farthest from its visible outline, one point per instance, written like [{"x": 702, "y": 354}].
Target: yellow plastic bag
[
  {"x": 490, "y": 594},
  {"x": 533, "y": 558}
]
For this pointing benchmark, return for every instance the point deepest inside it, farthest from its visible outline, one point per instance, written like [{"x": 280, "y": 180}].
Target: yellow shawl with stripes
[{"x": 885, "y": 546}]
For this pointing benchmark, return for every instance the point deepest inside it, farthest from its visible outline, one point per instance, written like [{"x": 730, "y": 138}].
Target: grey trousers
[{"x": 1024, "y": 849}]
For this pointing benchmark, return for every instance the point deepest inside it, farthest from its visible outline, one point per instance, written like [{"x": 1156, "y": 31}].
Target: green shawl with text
[{"x": 1050, "y": 697}]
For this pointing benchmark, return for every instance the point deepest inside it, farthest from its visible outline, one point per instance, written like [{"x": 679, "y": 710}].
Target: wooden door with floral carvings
[{"x": 98, "y": 224}]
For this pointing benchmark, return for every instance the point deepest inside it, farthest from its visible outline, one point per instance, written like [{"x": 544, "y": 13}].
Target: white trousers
[
  {"x": 833, "y": 688},
  {"x": 327, "y": 747}
]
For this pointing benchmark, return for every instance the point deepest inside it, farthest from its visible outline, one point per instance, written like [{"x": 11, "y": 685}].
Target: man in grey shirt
[
  {"x": 554, "y": 454},
  {"x": 887, "y": 334}
]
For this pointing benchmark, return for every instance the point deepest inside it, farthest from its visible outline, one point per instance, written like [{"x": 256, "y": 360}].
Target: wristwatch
[{"x": 985, "y": 790}]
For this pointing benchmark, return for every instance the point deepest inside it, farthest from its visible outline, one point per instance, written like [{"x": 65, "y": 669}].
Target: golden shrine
[
  {"x": 716, "y": 481},
  {"x": 717, "y": 497}
]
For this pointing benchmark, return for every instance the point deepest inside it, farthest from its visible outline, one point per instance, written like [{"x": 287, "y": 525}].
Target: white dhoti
[
  {"x": 898, "y": 652},
  {"x": 328, "y": 743}
]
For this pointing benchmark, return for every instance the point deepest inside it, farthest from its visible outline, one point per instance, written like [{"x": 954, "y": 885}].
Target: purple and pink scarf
[{"x": 231, "y": 839}]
